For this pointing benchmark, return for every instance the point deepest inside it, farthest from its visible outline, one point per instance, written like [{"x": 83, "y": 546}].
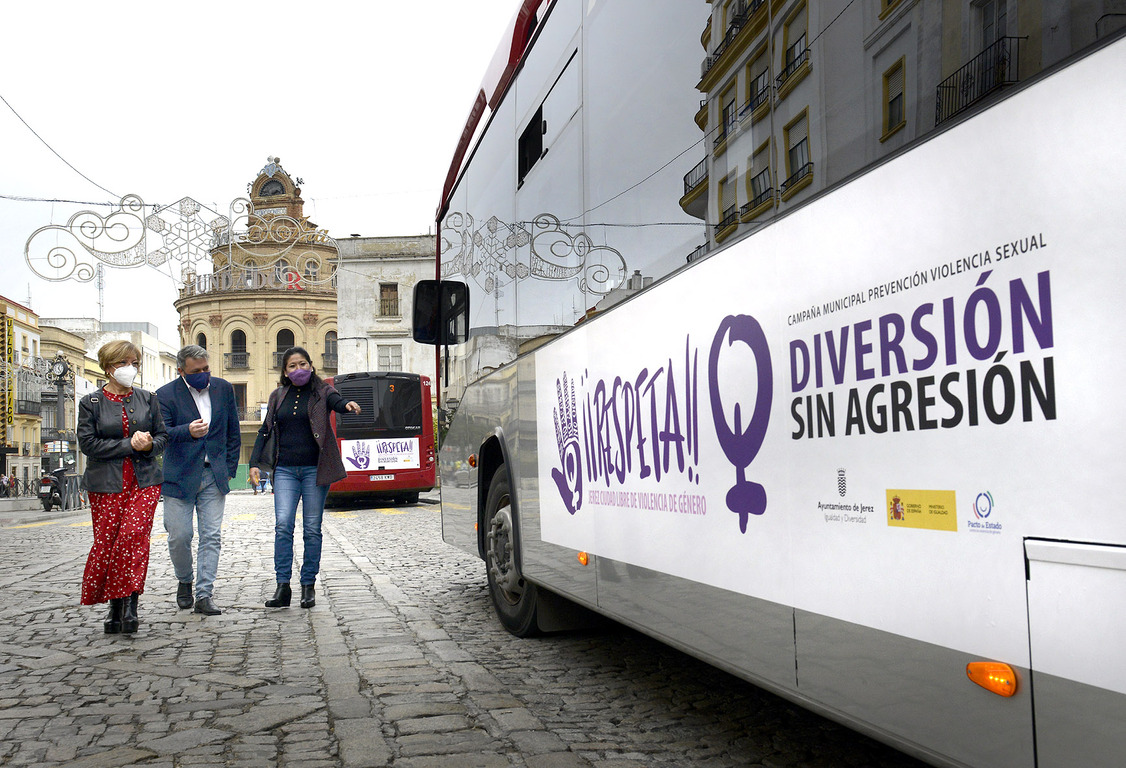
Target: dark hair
[{"x": 283, "y": 380}]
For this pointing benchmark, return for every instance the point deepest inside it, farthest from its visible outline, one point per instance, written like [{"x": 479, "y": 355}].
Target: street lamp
[{"x": 59, "y": 371}]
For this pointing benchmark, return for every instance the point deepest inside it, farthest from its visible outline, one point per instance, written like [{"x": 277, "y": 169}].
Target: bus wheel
[{"x": 513, "y": 598}]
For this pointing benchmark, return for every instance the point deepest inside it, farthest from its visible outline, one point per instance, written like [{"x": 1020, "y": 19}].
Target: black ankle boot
[
  {"x": 113, "y": 620},
  {"x": 308, "y": 598},
  {"x": 129, "y": 620},
  {"x": 281, "y": 596}
]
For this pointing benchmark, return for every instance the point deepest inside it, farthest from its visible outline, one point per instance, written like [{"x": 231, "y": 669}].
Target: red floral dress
[{"x": 119, "y": 560}]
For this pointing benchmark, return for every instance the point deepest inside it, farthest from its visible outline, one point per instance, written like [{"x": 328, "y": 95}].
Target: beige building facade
[
  {"x": 19, "y": 390},
  {"x": 272, "y": 286}
]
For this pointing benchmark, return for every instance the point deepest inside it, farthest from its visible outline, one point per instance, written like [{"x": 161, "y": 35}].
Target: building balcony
[
  {"x": 50, "y": 434},
  {"x": 696, "y": 176},
  {"x": 699, "y": 253},
  {"x": 798, "y": 179},
  {"x": 728, "y": 224},
  {"x": 695, "y": 199},
  {"x": 329, "y": 361},
  {"x": 763, "y": 201},
  {"x": 236, "y": 360},
  {"x": 28, "y": 407},
  {"x": 797, "y": 66},
  {"x": 989, "y": 71}
]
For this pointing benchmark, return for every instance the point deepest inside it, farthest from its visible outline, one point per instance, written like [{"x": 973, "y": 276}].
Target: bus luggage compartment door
[{"x": 1077, "y": 636}]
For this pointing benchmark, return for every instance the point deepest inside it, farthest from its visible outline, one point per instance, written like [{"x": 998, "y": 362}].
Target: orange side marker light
[
  {"x": 993, "y": 676},
  {"x": 584, "y": 558}
]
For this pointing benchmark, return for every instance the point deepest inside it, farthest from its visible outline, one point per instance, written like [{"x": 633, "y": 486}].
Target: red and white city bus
[
  {"x": 387, "y": 448},
  {"x": 791, "y": 333}
]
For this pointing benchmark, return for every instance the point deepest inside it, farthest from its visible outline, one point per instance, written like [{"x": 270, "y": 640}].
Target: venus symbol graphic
[{"x": 741, "y": 441}]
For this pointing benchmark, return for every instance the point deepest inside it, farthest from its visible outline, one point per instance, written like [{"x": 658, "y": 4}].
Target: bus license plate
[{"x": 377, "y": 478}]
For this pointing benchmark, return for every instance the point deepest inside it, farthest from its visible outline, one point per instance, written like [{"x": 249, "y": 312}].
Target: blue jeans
[
  {"x": 293, "y": 484},
  {"x": 207, "y": 503}
]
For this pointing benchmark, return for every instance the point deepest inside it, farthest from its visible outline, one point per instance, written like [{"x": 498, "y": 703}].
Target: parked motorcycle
[{"x": 51, "y": 489}]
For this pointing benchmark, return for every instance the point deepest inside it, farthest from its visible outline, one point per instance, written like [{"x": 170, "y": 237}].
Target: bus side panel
[
  {"x": 915, "y": 690},
  {"x": 543, "y": 562},
  {"x": 869, "y": 407},
  {"x": 1077, "y": 631},
  {"x": 750, "y": 637}
]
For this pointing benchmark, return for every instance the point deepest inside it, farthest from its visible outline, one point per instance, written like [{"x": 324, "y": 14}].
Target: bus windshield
[{"x": 391, "y": 406}]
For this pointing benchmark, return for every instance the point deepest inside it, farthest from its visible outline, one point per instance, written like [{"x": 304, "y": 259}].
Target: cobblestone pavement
[{"x": 401, "y": 663}]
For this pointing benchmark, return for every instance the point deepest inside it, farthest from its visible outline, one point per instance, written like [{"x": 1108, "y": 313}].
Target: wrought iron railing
[
  {"x": 797, "y": 176},
  {"x": 249, "y": 414},
  {"x": 989, "y": 71},
  {"x": 699, "y": 253},
  {"x": 760, "y": 181},
  {"x": 730, "y": 217},
  {"x": 28, "y": 407},
  {"x": 761, "y": 90},
  {"x": 236, "y": 360},
  {"x": 329, "y": 360},
  {"x": 696, "y": 176},
  {"x": 796, "y": 55}
]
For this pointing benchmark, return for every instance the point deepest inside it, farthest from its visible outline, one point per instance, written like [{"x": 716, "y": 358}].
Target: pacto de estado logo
[{"x": 647, "y": 425}]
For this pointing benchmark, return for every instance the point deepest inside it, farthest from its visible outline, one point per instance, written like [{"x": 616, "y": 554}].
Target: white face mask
[{"x": 125, "y": 375}]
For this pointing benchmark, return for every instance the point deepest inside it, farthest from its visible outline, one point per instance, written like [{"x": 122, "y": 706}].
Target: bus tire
[{"x": 514, "y": 598}]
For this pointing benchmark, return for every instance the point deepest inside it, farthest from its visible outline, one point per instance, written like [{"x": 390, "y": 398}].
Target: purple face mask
[{"x": 300, "y": 376}]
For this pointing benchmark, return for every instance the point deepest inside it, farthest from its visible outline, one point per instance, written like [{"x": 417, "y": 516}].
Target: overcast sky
[{"x": 364, "y": 101}]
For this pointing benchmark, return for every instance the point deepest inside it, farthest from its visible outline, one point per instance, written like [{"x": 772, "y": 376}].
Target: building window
[
  {"x": 330, "y": 356},
  {"x": 993, "y": 19},
  {"x": 895, "y": 116},
  {"x": 799, "y": 168},
  {"x": 201, "y": 340},
  {"x": 284, "y": 342},
  {"x": 760, "y": 186},
  {"x": 728, "y": 207},
  {"x": 237, "y": 357},
  {"x": 389, "y": 299},
  {"x": 729, "y": 116},
  {"x": 240, "y": 403},
  {"x": 281, "y": 273},
  {"x": 312, "y": 270},
  {"x": 390, "y": 357},
  {"x": 758, "y": 81},
  {"x": 796, "y": 52},
  {"x": 529, "y": 148},
  {"x": 886, "y": 7}
]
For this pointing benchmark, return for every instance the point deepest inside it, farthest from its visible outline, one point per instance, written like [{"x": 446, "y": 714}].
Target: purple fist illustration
[{"x": 569, "y": 481}]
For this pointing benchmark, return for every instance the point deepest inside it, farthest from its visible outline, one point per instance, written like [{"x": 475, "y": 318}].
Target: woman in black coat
[
  {"x": 307, "y": 463},
  {"x": 121, "y": 432}
]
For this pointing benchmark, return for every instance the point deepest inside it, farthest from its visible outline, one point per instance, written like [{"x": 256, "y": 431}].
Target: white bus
[{"x": 792, "y": 336}]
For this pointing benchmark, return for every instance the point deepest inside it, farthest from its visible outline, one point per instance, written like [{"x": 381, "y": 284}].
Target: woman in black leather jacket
[{"x": 121, "y": 432}]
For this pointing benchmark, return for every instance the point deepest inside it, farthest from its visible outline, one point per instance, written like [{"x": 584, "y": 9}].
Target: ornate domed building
[{"x": 272, "y": 286}]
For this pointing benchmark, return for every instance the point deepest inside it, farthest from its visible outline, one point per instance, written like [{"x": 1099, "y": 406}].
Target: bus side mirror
[{"x": 441, "y": 312}]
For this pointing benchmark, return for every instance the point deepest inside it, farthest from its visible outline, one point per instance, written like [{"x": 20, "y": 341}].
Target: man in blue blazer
[{"x": 201, "y": 457}]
